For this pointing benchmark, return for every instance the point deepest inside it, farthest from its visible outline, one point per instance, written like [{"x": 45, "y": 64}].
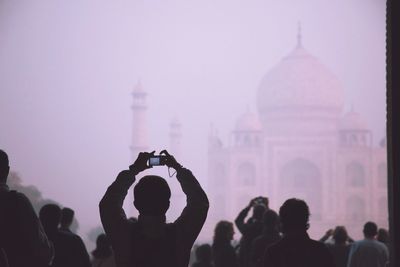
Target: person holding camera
[
  {"x": 151, "y": 241},
  {"x": 250, "y": 229}
]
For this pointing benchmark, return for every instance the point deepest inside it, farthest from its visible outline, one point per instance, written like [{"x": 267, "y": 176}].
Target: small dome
[
  {"x": 352, "y": 121},
  {"x": 248, "y": 122}
]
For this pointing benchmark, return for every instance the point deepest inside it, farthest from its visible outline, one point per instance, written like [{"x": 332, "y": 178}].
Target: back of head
[
  {"x": 4, "y": 166},
  {"x": 50, "y": 215},
  {"x": 340, "y": 235},
  {"x": 152, "y": 195},
  {"x": 223, "y": 231},
  {"x": 383, "y": 235},
  {"x": 258, "y": 211},
  {"x": 102, "y": 241},
  {"x": 294, "y": 215},
  {"x": 270, "y": 220},
  {"x": 103, "y": 247},
  {"x": 370, "y": 230},
  {"x": 203, "y": 253},
  {"x": 67, "y": 216}
]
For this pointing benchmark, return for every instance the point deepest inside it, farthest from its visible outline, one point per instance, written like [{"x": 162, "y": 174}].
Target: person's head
[
  {"x": 294, "y": 215},
  {"x": 370, "y": 230},
  {"x": 50, "y": 215},
  {"x": 383, "y": 235},
  {"x": 223, "y": 232},
  {"x": 67, "y": 216},
  {"x": 203, "y": 253},
  {"x": 4, "y": 166},
  {"x": 340, "y": 235},
  {"x": 102, "y": 242},
  {"x": 103, "y": 247},
  {"x": 270, "y": 221},
  {"x": 151, "y": 196},
  {"x": 258, "y": 211}
]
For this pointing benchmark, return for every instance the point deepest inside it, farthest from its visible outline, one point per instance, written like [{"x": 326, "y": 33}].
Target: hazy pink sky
[{"x": 67, "y": 69}]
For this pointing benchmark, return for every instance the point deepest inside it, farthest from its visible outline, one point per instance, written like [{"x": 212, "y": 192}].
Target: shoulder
[
  {"x": 318, "y": 245},
  {"x": 380, "y": 245}
]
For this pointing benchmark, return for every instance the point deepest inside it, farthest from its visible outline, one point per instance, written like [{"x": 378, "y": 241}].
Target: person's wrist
[{"x": 134, "y": 170}]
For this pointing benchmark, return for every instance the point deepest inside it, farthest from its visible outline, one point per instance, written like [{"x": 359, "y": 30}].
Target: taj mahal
[{"x": 300, "y": 143}]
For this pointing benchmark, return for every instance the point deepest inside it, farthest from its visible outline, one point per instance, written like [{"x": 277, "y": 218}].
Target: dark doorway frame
[{"x": 393, "y": 133}]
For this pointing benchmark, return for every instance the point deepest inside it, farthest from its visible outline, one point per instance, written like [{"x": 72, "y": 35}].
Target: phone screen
[{"x": 154, "y": 161}]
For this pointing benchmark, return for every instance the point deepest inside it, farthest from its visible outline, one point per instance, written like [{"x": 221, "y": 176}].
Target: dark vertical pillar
[{"x": 393, "y": 133}]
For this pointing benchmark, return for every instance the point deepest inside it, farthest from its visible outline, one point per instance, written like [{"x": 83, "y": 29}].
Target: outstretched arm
[{"x": 112, "y": 214}]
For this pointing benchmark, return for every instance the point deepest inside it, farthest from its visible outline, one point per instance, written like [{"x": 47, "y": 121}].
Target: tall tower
[
  {"x": 139, "y": 126},
  {"x": 175, "y": 137}
]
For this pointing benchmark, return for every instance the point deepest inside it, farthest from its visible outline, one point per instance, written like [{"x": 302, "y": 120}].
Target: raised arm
[
  {"x": 194, "y": 214},
  {"x": 113, "y": 218},
  {"x": 239, "y": 221}
]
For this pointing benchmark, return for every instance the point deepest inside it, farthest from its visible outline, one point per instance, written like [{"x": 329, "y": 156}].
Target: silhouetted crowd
[
  {"x": 272, "y": 239},
  {"x": 268, "y": 238}
]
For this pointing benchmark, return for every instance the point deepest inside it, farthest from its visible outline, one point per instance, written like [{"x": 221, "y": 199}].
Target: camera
[
  {"x": 261, "y": 201},
  {"x": 157, "y": 160}
]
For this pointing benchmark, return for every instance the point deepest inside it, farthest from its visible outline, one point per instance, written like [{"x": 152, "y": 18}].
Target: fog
[{"x": 68, "y": 68}]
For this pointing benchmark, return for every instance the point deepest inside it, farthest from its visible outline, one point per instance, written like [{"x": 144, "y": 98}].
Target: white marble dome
[{"x": 299, "y": 81}]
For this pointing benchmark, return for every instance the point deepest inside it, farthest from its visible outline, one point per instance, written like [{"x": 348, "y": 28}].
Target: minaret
[
  {"x": 139, "y": 127},
  {"x": 175, "y": 138}
]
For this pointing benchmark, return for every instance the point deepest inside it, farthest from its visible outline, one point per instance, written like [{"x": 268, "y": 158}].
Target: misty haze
[{"x": 258, "y": 98}]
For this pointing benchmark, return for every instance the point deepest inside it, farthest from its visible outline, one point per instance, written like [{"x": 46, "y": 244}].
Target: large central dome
[{"x": 299, "y": 82}]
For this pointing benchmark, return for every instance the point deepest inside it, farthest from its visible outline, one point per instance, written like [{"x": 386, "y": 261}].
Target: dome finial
[{"x": 299, "y": 44}]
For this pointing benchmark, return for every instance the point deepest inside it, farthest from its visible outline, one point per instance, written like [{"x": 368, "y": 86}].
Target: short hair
[
  {"x": 151, "y": 195},
  {"x": 221, "y": 231},
  {"x": 270, "y": 219},
  {"x": 4, "y": 165},
  {"x": 294, "y": 215},
  {"x": 340, "y": 235},
  {"x": 50, "y": 215},
  {"x": 67, "y": 216},
  {"x": 103, "y": 241},
  {"x": 370, "y": 229},
  {"x": 383, "y": 235}
]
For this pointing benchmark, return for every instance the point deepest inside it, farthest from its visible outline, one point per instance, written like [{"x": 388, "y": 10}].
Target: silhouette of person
[
  {"x": 103, "y": 255},
  {"x": 296, "y": 249},
  {"x": 269, "y": 236},
  {"x": 368, "y": 252},
  {"x": 340, "y": 247},
  {"x": 383, "y": 236},
  {"x": 250, "y": 229},
  {"x": 67, "y": 216},
  {"x": 23, "y": 241},
  {"x": 151, "y": 241},
  {"x": 203, "y": 256},
  {"x": 69, "y": 248},
  {"x": 224, "y": 254}
]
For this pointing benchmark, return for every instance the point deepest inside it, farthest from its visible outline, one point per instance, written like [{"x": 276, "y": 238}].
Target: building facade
[{"x": 300, "y": 144}]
